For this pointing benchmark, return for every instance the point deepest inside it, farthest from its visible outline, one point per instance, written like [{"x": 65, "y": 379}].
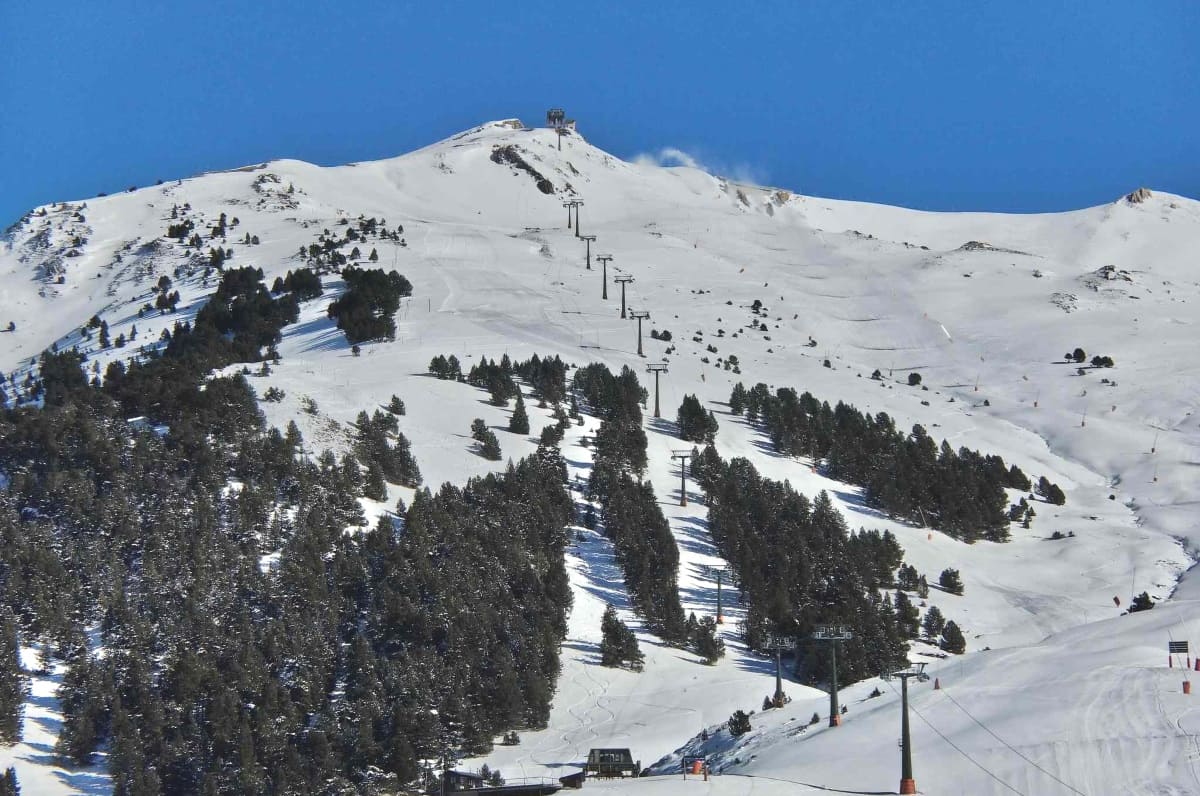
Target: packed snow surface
[{"x": 1058, "y": 693}]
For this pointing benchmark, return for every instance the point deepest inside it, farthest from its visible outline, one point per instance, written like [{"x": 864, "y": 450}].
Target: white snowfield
[{"x": 1058, "y": 693}]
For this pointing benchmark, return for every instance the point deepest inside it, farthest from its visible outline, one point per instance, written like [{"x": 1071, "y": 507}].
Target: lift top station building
[
  {"x": 557, "y": 118},
  {"x": 612, "y": 763}
]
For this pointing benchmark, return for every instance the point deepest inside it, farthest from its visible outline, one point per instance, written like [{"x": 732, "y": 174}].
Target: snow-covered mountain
[{"x": 1056, "y": 688}]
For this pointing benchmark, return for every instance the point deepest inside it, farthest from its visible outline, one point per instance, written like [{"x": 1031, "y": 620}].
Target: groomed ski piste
[{"x": 1059, "y": 692}]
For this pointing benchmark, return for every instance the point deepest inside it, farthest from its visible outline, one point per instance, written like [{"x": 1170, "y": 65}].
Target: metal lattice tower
[
  {"x": 639, "y": 316},
  {"x": 658, "y": 368},
  {"x": 833, "y": 634},
  {"x": 588, "y": 240},
  {"x": 779, "y": 643},
  {"x": 682, "y": 456},
  {"x": 622, "y": 280},
  {"x": 604, "y": 260}
]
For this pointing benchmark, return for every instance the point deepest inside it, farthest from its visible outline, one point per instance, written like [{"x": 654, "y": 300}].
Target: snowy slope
[{"x": 495, "y": 271}]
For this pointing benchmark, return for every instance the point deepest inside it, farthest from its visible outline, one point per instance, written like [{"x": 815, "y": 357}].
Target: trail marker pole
[
  {"x": 622, "y": 280},
  {"x": 588, "y": 240},
  {"x": 639, "y": 316},
  {"x": 682, "y": 456},
  {"x": 604, "y": 260},
  {"x": 908, "y": 785},
  {"x": 779, "y": 643},
  {"x": 658, "y": 368},
  {"x": 833, "y": 634}
]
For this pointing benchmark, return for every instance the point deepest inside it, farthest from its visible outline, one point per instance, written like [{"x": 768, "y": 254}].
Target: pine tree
[
  {"x": 83, "y": 706},
  {"x": 375, "y": 485},
  {"x": 695, "y": 424},
  {"x": 951, "y": 581},
  {"x": 739, "y": 723},
  {"x": 519, "y": 422},
  {"x": 907, "y": 615},
  {"x": 489, "y": 446},
  {"x": 401, "y": 758},
  {"x": 12, "y": 681},
  {"x": 396, "y": 406},
  {"x": 618, "y": 644},
  {"x": 1050, "y": 491},
  {"x": 707, "y": 644},
  {"x": 8, "y": 783},
  {"x": 737, "y": 399},
  {"x": 934, "y": 622},
  {"x": 952, "y": 639}
]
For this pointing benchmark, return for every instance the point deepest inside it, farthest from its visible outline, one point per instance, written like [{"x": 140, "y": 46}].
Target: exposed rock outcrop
[{"x": 1138, "y": 196}]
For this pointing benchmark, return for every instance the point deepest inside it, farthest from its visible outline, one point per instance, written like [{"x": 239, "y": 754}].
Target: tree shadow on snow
[
  {"x": 325, "y": 335},
  {"x": 86, "y": 783},
  {"x": 605, "y": 580},
  {"x": 666, "y": 427},
  {"x": 858, "y": 505}
]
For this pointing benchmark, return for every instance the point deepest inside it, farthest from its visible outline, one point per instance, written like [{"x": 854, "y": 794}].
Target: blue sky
[{"x": 1018, "y": 106}]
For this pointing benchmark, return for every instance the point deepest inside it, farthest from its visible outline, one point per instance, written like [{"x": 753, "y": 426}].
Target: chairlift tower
[
  {"x": 622, "y": 280},
  {"x": 833, "y": 634},
  {"x": 561, "y": 132},
  {"x": 588, "y": 239},
  {"x": 682, "y": 456},
  {"x": 573, "y": 204},
  {"x": 604, "y": 260},
  {"x": 639, "y": 316},
  {"x": 717, "y": 572},
  {"x": 658, "y": 368},
  {"x": 908, "y": 785},
  {"x": 779, "y": 643}
]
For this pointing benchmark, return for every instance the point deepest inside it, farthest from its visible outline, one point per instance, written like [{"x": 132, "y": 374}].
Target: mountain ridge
[{"x": 803, "y": 292}]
